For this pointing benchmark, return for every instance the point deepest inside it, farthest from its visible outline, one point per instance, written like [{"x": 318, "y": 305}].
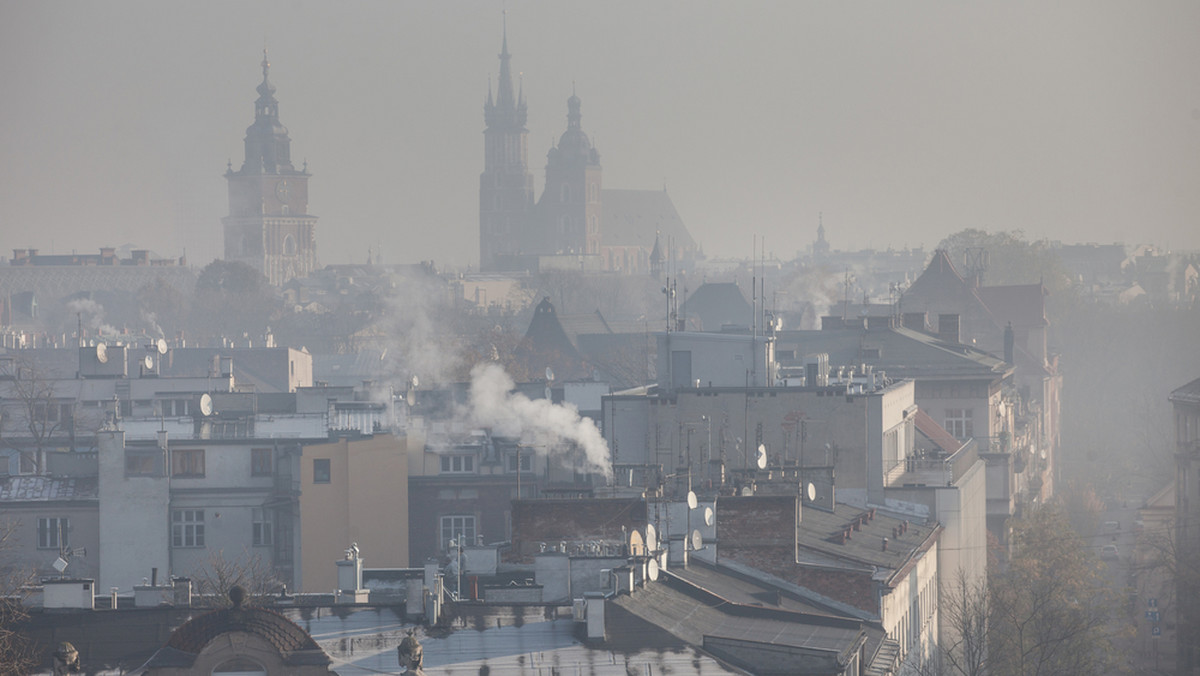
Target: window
[
  {"x": 187, "y": 463},
  {"x": 187, "y": 528},
  {"x": 262, "y": 522},
  {"x": 461, "y": 528},
  {"x": 53, "y": 532},
  {"x": 526, "y": 462},
  {"x": 321, "y": 471},
  {"x": 139, "y": 462},
  {"x": 175, "y": 407},
  {"x": 458, "y": 464},
  {"x": 959, "y": 423},
  {"x": 260, "y": 462}
]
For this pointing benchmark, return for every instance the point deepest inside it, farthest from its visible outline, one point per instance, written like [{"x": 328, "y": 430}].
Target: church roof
[
  {"x": 717, "y": 304},
  {"x": 634, "y": 217}
]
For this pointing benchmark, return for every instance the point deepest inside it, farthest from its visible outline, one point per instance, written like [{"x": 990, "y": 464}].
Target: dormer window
[{"x": 458, "y": 464}]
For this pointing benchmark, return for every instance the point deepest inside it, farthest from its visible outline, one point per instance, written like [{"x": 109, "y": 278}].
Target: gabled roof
[
  {"x": 936, "y": 433},
  {"x": 902, "y": 353},
  {"x": 1188, "y": 394},
  {"x": 635, "y": 217},
  {"x": 1021, "y": 304},
  {"x": 717, "y": 304}
]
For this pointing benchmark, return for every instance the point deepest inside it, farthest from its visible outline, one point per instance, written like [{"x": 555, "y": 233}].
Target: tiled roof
[
  {"x": 633, "y": 217},
  {"x": 44, "y": 488},
  {"x": 936, "y": 433}
]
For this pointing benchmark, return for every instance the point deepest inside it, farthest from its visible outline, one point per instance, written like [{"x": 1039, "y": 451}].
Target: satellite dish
[
  {"x": 636, "y": 546},
  {"x": 206, "y": 405},
  {"x": 415, "y": 382},
  {"x": 652, "y": 570},
  {"x": 692, "y": 502},
  {"x": 697, "y": 540},
  {"x": 762, "y": 456},
  {"x": 101, "y": 353},
  {"x": 709, "y": 517},
  {"x": 161, "y": 346},
  {"x": 747, "y": 491},
  {"x": 811, "y": 491},
  {"x": 651, "y": 537},
  {"x": 148, "y": 362},
  {"x": 549, "y": 373}
]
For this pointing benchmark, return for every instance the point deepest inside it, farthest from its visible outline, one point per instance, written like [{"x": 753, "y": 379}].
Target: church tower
[
  {"x": 569, "y": 209},
  {"x": 506, "y": 185},
  {"x": 269, "y": 227}
]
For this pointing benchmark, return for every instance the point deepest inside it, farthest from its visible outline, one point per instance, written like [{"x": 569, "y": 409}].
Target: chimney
[
  {"x": 1009, "y": 343},
  {"x": 948, "y": 327},
  {"x": 885, "y": 541}
]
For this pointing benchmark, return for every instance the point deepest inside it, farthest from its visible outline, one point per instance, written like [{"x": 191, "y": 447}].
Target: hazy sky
[{"x": 901, "y": 121}]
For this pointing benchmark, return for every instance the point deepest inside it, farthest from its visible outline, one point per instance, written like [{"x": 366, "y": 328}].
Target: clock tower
[{"x": 269, "y": 227}]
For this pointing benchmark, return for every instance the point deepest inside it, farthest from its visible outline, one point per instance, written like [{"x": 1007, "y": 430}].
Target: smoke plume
[{"x": 540, "y": 421}]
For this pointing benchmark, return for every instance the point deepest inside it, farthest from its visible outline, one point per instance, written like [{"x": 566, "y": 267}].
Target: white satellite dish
[
  {"x": 652, "y": 570},
  {"x": 651, "y": 538},
  {"x": 161, "y": 346},
  {"x": 691, "y": 499},
  {"x": 101, "y": 353},
  {"x": 697, "y": 540},
  {"x": 762, "y": 457},
  {"x": 709, "y": 517},
  {"x": 148, "y": 362},
  {"x": 415, "y": 382},
  {"x": 747, "y": 491},
  {"x": 206, "y": 405},
  {"x": 636, "y": 546},
  {"x": 811, "y": 491}
]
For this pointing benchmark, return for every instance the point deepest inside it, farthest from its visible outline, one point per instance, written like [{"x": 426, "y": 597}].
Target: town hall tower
[{"x": 269, "y": 227}]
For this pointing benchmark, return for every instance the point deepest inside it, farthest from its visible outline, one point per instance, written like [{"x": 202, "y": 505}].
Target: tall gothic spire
[
  {"x": 507, "y": 110},
  {"x": 267, "y": 144}
]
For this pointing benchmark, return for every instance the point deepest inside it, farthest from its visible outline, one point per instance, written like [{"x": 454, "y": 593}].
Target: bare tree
[
  {"x": 17, "y": 654},
  {"x": 33, "y": 414},
  {"x": 1050, "y": 610},
  {"x": 249, "y": 571}
]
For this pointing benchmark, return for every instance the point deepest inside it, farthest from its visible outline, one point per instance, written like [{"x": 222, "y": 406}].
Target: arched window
[{"x": 289, "y": 246}]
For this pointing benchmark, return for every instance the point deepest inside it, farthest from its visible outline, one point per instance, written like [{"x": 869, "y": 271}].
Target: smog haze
[{"x": 899, "y": 122}]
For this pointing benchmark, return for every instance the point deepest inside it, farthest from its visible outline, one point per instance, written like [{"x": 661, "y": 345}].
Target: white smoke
[
  {"x": 493, "y": 404},
  {"x": 92, "y": 315}
]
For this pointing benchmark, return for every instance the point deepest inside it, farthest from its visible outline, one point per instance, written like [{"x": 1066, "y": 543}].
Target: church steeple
[
  {"x": 507, "y": 110},
  {"x": 505, "y": 186},
  {"x": 269, "y": 227},
  {"x": 268, "y": 148}
]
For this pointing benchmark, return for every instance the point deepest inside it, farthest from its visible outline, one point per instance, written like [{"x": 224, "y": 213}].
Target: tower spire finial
[{"x": 266, "y": 65}]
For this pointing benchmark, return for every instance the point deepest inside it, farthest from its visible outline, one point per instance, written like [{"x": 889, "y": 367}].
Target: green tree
[
  {"x": 232, "y": 299},
  {"x": 1051, "y": 611},
  {"x": 1011, "y": 259}
]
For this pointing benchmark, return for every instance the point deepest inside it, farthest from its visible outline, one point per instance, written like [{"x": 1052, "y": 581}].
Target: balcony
[{"x": 935, "y": 470}]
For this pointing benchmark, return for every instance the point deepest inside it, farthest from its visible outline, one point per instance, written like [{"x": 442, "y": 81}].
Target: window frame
[
  {"x": 257, "y": 455},
  {"x": 457, "y": 464},
  {"x": 451, "y": 526},
  {"x": 53, "y": 532},
  {"x": 324, "y": 477},
  {"x": 184, "y": 465},
  {"x": 262, "y": 527},
  {"x": 187, "y": 528},
  {"x": 960, "y": 423}
]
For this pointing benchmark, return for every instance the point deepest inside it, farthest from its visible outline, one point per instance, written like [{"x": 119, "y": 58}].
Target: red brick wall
[{"x": 552, "y": 521}]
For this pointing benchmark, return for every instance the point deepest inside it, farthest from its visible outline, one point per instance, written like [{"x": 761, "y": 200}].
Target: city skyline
[{"x": 1077, "y": 122}]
